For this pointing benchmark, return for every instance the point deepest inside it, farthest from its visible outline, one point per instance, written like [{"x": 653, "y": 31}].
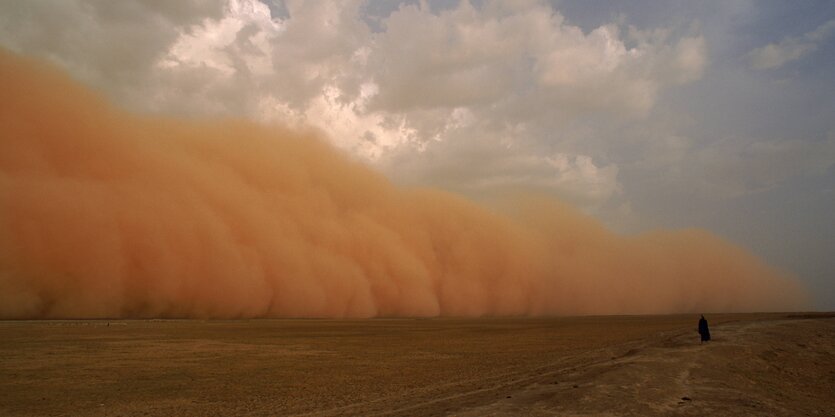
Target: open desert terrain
[{"x": 757, "y": 364}]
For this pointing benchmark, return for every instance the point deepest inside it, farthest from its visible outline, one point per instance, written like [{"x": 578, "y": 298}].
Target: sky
[{"x": 645, "y": 115}]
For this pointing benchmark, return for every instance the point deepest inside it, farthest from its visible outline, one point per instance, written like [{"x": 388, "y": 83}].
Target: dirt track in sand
[{"x": 757, "y": 364}]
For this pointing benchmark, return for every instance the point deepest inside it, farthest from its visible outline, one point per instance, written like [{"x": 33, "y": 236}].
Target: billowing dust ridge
[{"x": 109, "y": 214}]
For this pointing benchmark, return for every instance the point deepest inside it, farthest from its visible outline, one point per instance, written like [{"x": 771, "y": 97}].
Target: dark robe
[{"x": 703, "y": 330}]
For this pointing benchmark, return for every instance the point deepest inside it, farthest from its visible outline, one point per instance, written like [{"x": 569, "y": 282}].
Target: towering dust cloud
[{"x": 108, "y": 214}]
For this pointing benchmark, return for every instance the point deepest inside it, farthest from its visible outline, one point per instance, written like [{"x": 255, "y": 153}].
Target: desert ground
[{"x": 756, "y": 364}]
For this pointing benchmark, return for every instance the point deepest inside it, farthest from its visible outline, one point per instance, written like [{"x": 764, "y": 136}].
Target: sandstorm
[{"x": 104, "y": 213}]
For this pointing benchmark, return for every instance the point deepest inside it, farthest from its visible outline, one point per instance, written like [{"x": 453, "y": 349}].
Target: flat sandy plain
[{"x": 757, "y": 364}]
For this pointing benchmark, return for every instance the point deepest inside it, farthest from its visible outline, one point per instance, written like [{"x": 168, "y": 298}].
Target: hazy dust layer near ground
[{"x": 756, "y": 364}]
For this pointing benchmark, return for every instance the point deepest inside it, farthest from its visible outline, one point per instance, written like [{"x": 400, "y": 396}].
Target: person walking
[{"x": 703, "y": 329}]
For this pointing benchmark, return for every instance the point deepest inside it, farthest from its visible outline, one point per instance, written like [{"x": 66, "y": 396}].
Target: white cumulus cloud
[{"x": 428, "y": 88}]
